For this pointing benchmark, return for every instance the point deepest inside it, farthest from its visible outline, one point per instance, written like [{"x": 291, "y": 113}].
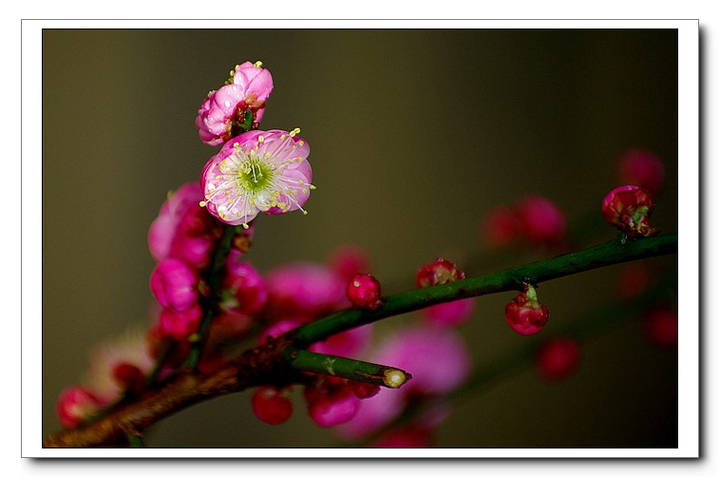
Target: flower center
[{"x": 254, "y": 175}]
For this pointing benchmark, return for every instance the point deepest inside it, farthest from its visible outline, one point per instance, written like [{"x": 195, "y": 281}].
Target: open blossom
[
  {"x": 259, "y": 171},
  {"x": 224, "y": 110}
]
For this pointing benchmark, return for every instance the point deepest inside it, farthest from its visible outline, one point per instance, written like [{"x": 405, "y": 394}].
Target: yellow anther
[
  {"x": 295, "y": 131},
  {"x": 236, "y": 145},
  {"x": 258, "y": 63},
  {"x": 261, "y": 138},
  {"x": 312, "y": 186},
  {"x": 301, "y": 143},
  {"x": 203, "y": 203},
  {"x": 245, "y": 226}
]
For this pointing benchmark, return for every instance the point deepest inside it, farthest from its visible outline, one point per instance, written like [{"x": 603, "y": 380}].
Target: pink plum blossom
[
  {"x": 259, "y": 171},
  {"x": 224, "y": 110}
]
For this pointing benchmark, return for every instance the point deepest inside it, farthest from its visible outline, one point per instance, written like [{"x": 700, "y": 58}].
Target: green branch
[
  {"x": 210, "y": 304},
  {"x": 347, "y": 368},
  {"x": 610, "y": 253}
]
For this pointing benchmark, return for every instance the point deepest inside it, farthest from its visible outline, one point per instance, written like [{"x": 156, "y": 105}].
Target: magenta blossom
[
  {"x": 224, "y": 111},
  {"x": 259, "y": 171}
]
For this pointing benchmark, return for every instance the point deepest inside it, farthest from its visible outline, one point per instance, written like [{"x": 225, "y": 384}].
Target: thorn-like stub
[{"x": 394, "y": 378}]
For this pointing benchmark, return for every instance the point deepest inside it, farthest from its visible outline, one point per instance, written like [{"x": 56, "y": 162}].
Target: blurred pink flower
[
  {"x": 643, "y": 168},
  {"x": 450, "y": 314},
  {"x": 439, "y": 362},
  {"x": 130, "y": 348},
  {"x": 304, "y": 291},
  {"x": 540, "y": 220},
  {"x": 259, "y": 171}
]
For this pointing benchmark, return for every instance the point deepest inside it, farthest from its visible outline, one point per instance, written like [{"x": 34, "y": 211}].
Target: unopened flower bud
[
  {"x": 628, "y": 208},
  {"x": 438, "y": 272},
  {"x": 525, "y": 314},
  {"x": 272, "y": 405},
  {"x": 174, "y": 285},
  {"x": 363, "y": 291},
  {"x": 75, "y": 405}
]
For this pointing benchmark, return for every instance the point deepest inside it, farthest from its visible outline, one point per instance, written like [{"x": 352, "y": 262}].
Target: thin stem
[
  {"x": 210, "y": 304},
  {"x": 609, "y": 253},
  {"x": 347, "y": 368}
]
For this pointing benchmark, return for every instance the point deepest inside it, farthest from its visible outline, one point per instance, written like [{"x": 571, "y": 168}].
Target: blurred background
[{"x": 414, "y": 135}]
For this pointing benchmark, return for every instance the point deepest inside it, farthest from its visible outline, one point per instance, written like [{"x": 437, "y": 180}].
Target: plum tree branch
[{"x": 271, "y": 363}]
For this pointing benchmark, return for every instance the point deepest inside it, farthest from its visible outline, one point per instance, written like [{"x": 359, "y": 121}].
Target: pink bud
[
  {"x": 329, "y": 406},
  {"x": 558, "y": 358},
  {"x": 363, "y": 291},
  {"x": 438, "y": 272},
  {"x": 525, "y": 314},
  {"x": 75, "y": 405},
  {"x": 244, "y": 288},
  {"x": 129, "y": 377},
  {"x": 174, "y": 285},
  {"x": 272, "y": 405},
  {"x": 642, "y": 167},
  {"x": 628, "y": 208},
  {"x": 181, "y": 325}
]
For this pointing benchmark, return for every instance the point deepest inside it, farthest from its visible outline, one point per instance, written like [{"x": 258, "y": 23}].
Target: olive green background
[{"x": 414, "y": 136}]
